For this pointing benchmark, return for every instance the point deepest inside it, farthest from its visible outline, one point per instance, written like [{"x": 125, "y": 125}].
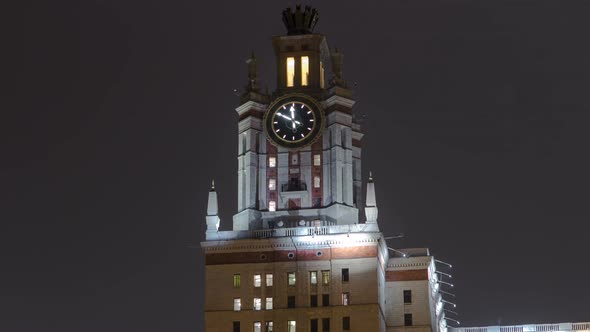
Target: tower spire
[
  {"x": 212, "y": 217},
  {"x": 371, "y": 210}
]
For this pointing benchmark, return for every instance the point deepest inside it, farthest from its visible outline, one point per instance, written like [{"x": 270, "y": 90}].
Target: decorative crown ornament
[{"x": 300, "y": 22}]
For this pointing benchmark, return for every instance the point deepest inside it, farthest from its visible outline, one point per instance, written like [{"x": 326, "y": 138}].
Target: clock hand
[
  {"x": 292, "y": 110},
  {"x": 286, "y": 117}
]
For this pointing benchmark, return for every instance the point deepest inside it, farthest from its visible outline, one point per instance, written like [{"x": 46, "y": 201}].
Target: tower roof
[{"x": 300, "y": 22}]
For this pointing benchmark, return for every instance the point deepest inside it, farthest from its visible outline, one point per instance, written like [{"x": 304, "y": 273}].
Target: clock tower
[
  {"x": 299, "y": 149},
  {"x": 299, "y": 257}
]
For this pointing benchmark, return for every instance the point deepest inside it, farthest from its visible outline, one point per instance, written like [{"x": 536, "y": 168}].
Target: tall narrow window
[
  {"x": 257, "y": 280},
  {"x": 236, "y": 326},
  {"x": 257, "y": 327},
  {"x": 344, "y": 275},
  {"x": 325, "y": 300},
  {"x": 291, "y": 326},
  {"x": 321, "y": 75},
  {"x": 313, "y": 277},
  {"x": 237, "y": 304},
  {"x": 407, "y": 296},
  {"x": 272, "y": 206},
  {"x": 272, "y": 184},
  {"x": 269, "y": 326},
  {"x": 317, "y": 160},
  {"x": 313, "y": 301},
  {"x": 272, "y": 162},
  {"x": 291, "y": 278},
  {"x": 345, "y": 298},
  {"x": 237, "y": 281},
  {"x": 325, "y": 324},
  {"x": 268, "y": 303},
  {"x": 304, "y": 70},
  {"x": 346, "y": 323},
  {"x": 290, "y": 301},
  {"x": 269, "y": 280},
  {"x": 313, "y": 325},
  {"x": 316, "y": 181},
  {"x": 325, "y": 277},
  {"x": 290, "y": 71},
  {"x": 257, "y": 303},
  {"x": 408, "y": 320}
]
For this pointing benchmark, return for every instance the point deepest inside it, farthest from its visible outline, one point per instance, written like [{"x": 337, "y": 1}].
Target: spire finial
[
  {"x": 252, "y": 73},
  {"x": 213, "y": 185},
  {"x": 370, "y": 176}
]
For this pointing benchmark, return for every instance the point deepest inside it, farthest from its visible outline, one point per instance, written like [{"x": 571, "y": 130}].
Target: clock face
[{"x": 293, "y": 121}]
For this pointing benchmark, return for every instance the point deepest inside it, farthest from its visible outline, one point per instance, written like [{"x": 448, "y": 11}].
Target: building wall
[{"x": 363, "y": 289}]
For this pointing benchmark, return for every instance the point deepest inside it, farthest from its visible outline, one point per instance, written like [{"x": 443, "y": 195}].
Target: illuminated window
[
  {"x": 346, "y": 323},
  {"x": 237, "y": 304},
  {"x": 345, "y": 275},
  {"x": 269, "y": 280},
  {"x": 317, "y": 160},
  {"x": 313, "y": 277},
  {"x": 257, "y": 303},
  {"x": 321, "y": 75},
  {"x": 268, "y": 303},
  {"x": 272, "y": 206},
  {"x": 345, "y": 298},
  {"x": 316, "y": 181},
  {"x": 325, "y": 277},
  {"x": 236, "y": 281},
  {"x": 290, "y": 71},
  {"x": 257, "y": 280},
  {"x": 257, "y": 327},
  {"x": 304, "y": 70},
  {"x": 272, "y": 184},
  {"x": 291, "y": 326},
  {"x": 269, "y": 326},
  {"x": 272, "y": 162},
  {"x": 291, "y": 278}
]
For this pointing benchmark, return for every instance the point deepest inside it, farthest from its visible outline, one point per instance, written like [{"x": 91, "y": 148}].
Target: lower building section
[{"x": 363, "y": 317}]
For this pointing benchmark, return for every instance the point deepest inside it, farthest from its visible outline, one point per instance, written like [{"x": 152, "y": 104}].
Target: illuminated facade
[
  {"x": 559, "y": 327},
  {"x": 305, "y": 252}
]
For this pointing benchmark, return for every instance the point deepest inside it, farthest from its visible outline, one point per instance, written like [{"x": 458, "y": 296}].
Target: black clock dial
[{"x": 293, "y": 121}]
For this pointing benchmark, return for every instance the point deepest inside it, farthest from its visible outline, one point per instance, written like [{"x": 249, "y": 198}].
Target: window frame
[
  {"x": 313, "y": 277},
  {"x": 259, "y": 283},
  {"x": 290, "y": 71},
  {"x": 410, "y": 321},
  {"x": 267, "y": 283},
  {"x": 407, "y": 296},
  {"x": 237, "y": 280},
  {"x": 346, "y": 323},
  {"x": 257, "y": 304},
  {"x": 237, "y": 304},
  {"x": 289, "y": 279},
  {"x": 325, "y": 277},
  {"x": 345, "y": 298},
  {"x": 345, "y": 275}
]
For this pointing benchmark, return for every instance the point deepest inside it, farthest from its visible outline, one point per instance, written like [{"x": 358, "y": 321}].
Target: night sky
[{"x": 116, "y": 115}]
